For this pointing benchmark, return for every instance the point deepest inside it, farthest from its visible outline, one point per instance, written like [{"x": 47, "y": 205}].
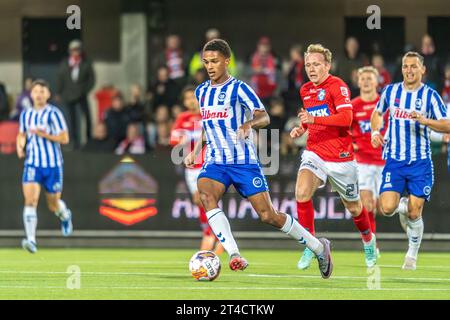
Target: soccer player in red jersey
[
  {"x": 186, "y": 130},
  {"x": 368, "y": 158},
  {"x": 327, "y": 116}
]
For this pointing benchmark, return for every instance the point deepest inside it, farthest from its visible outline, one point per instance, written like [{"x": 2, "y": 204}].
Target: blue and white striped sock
[{"x": 221, "y": 227}]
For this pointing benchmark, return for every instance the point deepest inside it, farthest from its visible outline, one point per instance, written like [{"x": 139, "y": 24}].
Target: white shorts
[
  {"x": 191, "y": 176},
  {"x": 369, "y": 178},
  {"x": 343, "y": 176}
]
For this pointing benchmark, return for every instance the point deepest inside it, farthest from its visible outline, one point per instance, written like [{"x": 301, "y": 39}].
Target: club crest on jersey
[
  {"x": 321, "y": 95},
  {"x": 257, "y": 182},
  {"x": 418, "y": 103},
  {"x": 222, "y": 96},
  {"x": 344, "y": 91},
  {"x": 319, "y": 111}
]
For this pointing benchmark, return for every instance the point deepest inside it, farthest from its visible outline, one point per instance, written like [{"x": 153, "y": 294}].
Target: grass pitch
[{"x": 163, "y": 274}]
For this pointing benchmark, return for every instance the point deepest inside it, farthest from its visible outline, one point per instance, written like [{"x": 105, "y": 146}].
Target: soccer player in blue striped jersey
[
  {"x": 230, "y": 110},
  {"x": 42, "y": 131},
  {"x": 414, "y": 110}
]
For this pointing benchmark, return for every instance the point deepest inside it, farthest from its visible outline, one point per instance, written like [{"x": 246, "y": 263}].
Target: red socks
[
  {"x": 362, "y": 222},
  {"x": 305, "y": 213},
  {"x": 373, "y": 225}
]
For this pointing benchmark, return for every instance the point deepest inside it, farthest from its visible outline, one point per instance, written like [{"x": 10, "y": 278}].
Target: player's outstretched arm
[
  {"x": 260, "y": 120},
  {"x": 189, "y": 161},
  {"x": 21, "y": 141},
  {"x": 442, "y": 125}
]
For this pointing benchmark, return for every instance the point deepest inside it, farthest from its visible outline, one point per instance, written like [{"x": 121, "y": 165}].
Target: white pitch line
[
  {"x": 226, "y": 288},
  {"x": 226, "y": 275}
]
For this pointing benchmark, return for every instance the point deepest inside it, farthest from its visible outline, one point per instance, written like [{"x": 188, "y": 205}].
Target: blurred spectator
[
  {"x": 100, "y": 141},
  {"x": 434, "y": 76},
  {"x": 164, "y": 91},
  {"x": 196, "y": 62},
  {"x": 136, "y": 106},
  {"x": 4, "y": 103},
  {"x": 117, "y": 119},
  {"x": 351, "y": 61},
  {"x": 75, "y": 79},
  {"x": 264, "y": 65},
  {"x": 176, "y": 110},
  {"x": 446, "y": 90},
  {"x": 296, "y": 77},
  {"x": 23, "y": 101},
  {"x": 353, "y": 84},
  {"x": 384, "y": 77},
  {"x": 174, "y": 59},
  {"x": 157, "y": 135},
  {"x": 277, "y": 114},
  {"x": 134, "y": 143},
  {"x": 104, "y": 98},
  {"x": 199, "y": 77}
]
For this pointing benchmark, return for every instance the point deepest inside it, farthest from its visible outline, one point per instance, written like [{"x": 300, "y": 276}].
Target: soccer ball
[{"x": 205, "y": 266}]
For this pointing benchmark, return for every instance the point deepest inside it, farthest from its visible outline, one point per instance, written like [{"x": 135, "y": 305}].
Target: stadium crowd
[{"x": 142, "y": 122}]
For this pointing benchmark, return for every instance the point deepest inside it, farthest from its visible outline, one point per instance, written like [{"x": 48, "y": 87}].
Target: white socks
[
  {"x": 30, "y": 222},
  {"x": 221, "y": 227},
  {"x": 415, "y": 233},
  {"x": 62, "y": 212},
  {"x": 293, "y": 229}
]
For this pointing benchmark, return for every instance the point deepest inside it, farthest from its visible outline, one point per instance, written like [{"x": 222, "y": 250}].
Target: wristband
[{"x": 374, "y": 133}]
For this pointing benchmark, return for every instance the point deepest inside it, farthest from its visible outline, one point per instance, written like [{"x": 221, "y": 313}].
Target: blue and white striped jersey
[
  {"x": 224, "y": 109},
  {"x": 40, "y": 152},
  {"x": 406, "y": 139}
]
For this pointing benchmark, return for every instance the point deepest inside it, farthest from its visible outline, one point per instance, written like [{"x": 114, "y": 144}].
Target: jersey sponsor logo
[
  {"x": 307, "y": 98},
  {"x": 369, "y": 107},
  {"x": 319, "y": 111},
  {"x": 344, "y": 91},
  {"x": 207, "y": 114},
  {"x": 364, "y": 126},
  {"x": 343, "y": 155},
  {"x": 222, "y": 96},
  {"x": 321, "y": 95},
  {"x": 257, "y": 182},
  {"x": 402, "y": 114}
]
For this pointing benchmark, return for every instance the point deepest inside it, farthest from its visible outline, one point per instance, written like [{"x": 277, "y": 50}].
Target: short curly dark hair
[{"x": 219, "y": 45}]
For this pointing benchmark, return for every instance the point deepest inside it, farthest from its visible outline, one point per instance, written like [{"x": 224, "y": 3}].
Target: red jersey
[
  {"x": 362, "y": 134},
  {"x": 330, "y": 143},
  {"x": 188, "y": 125}
]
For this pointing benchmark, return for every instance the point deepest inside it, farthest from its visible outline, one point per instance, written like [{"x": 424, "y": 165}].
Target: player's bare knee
[
  {"x": 52, "y": 206},
  {"x": 302, "y": 195},
  {"x": 354, "y": 208},
  {"x": 268, "y": 216},
  {"x": 415, "y": 212},
  {"x": 207, "y": 199},
  {"x": 368, "y": 205},
  {"x": 388, "y": 209}
]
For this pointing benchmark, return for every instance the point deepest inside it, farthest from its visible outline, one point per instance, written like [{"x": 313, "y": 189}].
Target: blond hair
[
  {"x": 368, "y": 69},
  {"x": 318, "y": 48}
]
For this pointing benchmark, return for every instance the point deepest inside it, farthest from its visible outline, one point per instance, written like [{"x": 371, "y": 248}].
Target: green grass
[{"x": 163, "y": 274}]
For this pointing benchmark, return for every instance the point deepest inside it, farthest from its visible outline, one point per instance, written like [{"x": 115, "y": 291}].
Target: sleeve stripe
[
  {"x": 347, "y": 105},
  {"x": 22, "y": 121},
  {"x": 251, "y": 96},
  {"x": 438, "y": 105}
]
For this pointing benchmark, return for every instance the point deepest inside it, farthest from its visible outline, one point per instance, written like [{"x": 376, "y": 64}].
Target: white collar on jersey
[
  {"x": 415, "y": 90},
  {"x": 221, "y": 84}
]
